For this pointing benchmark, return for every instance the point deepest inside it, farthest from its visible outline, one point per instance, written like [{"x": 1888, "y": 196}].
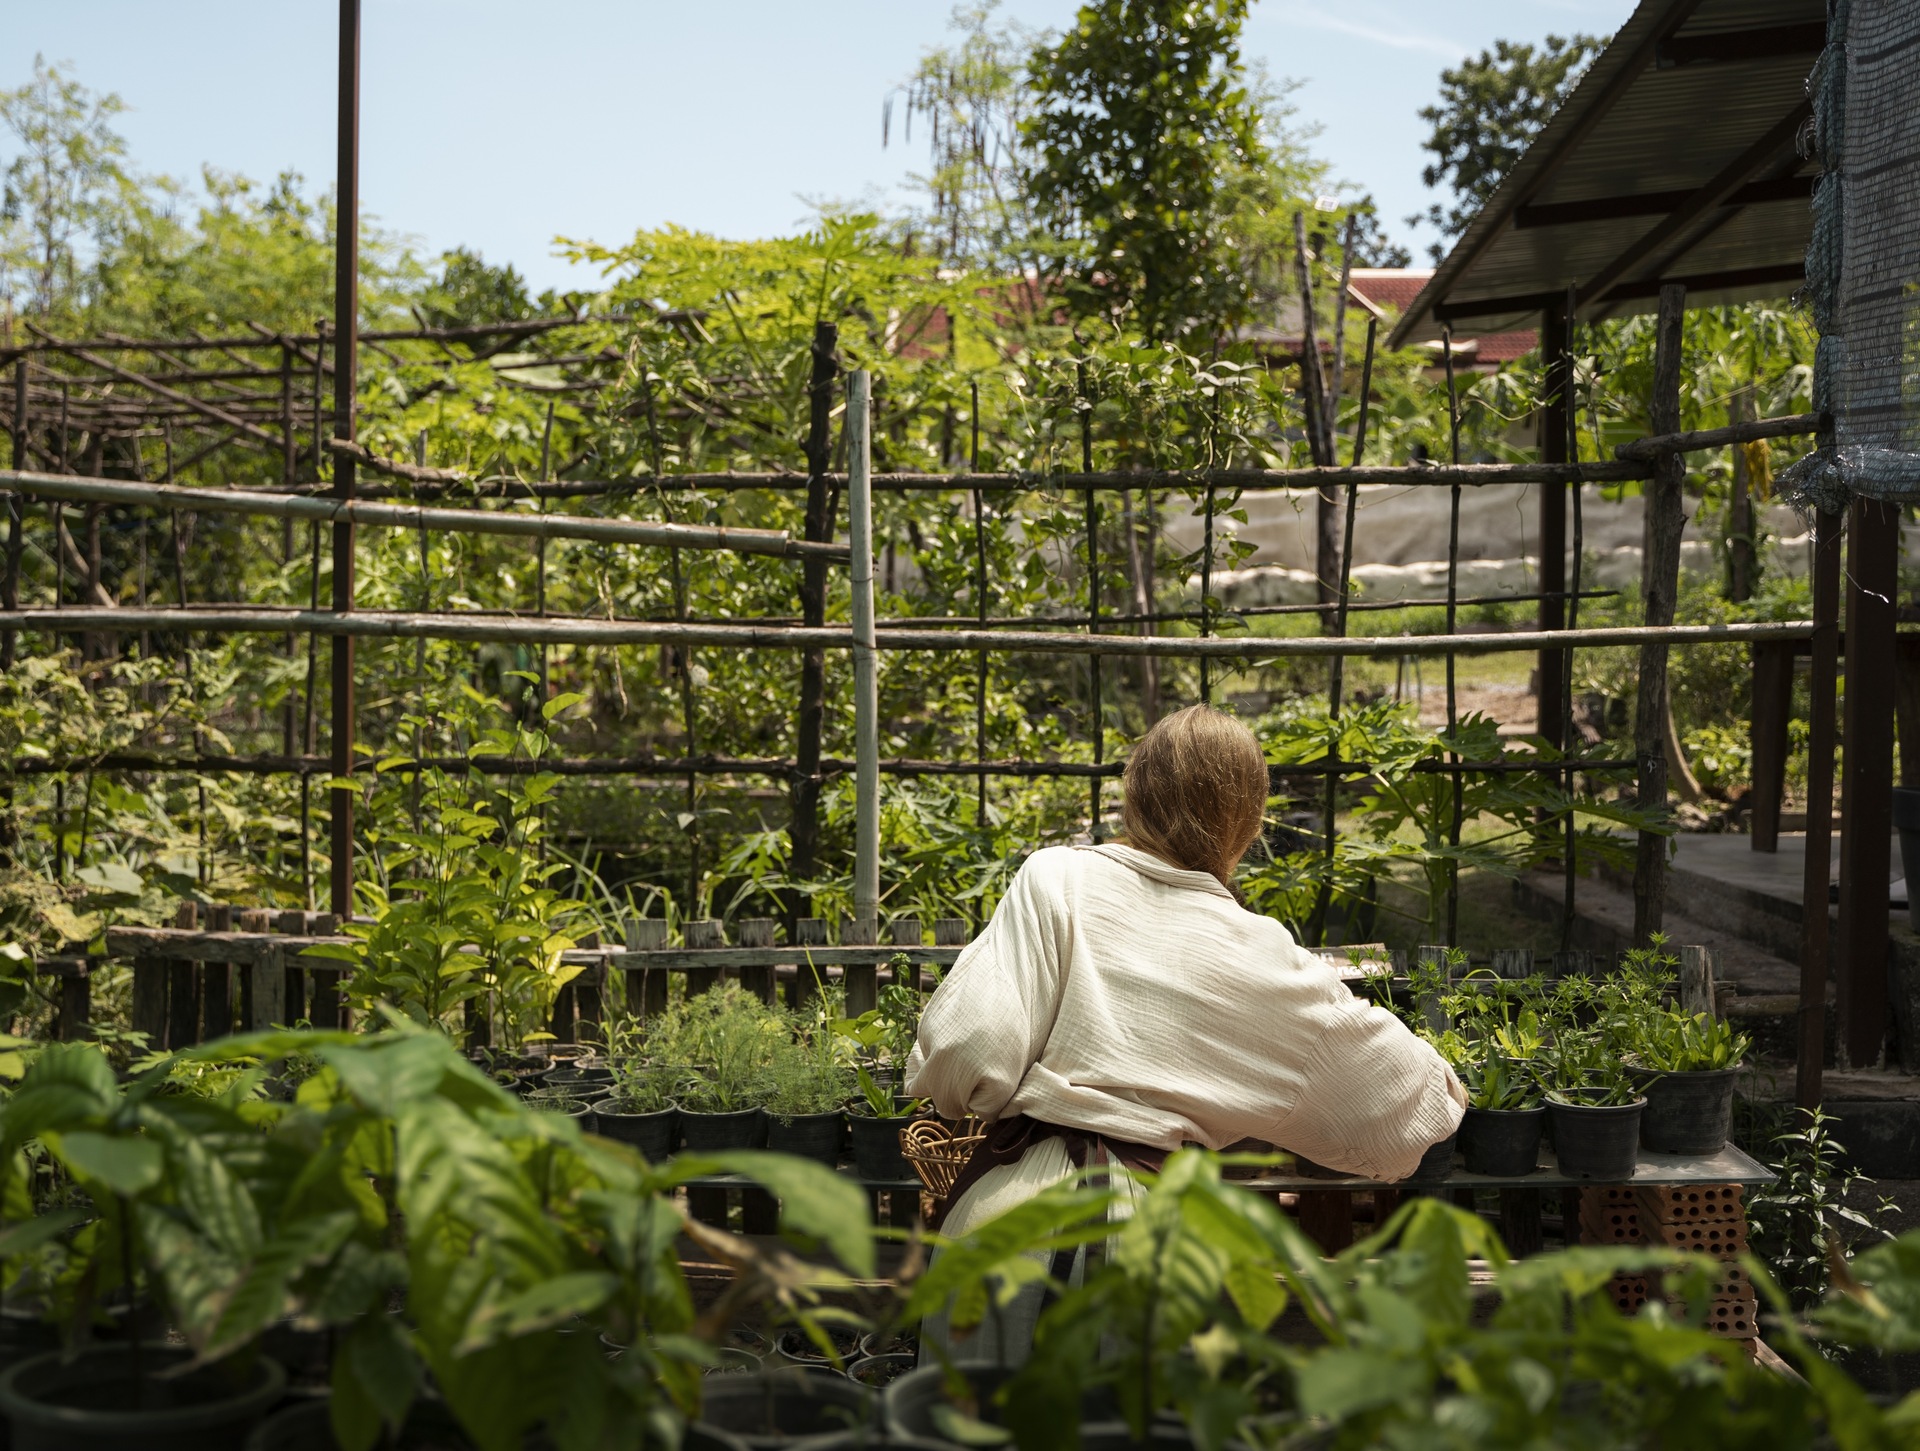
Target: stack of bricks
[
  {"x": 1704, "y": 1219},
  {"x": 1610, "y": 1215},
  {"x": 1707, "y": 1219}
]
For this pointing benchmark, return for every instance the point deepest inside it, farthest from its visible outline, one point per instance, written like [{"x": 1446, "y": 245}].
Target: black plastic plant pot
[
  {"x": 1687, "y": 1113},
  {"x": 745, "y": 1129},
  {"x": 308, "y": 1426},
  {"x": 1436, "y": 1163},
  {"x": 650, "y": 1133},
  {"x": 780, "y": 1406},
  {"x": 894, "y": 1342},
  {"x": 1596, "y": 1141},
  {"x": 816, "y": 1136},
  {"x": 796, "y": 1348},
  {"x": 1504, "y": 1142},
  {"x": 1906, "y": 821},
  {"x": 550, "y": 1101},
  {"x": 876, "y": 1148},
  {"x": 735, "y": 1361},
  {"x": 881, "y": 1371},
  {"x": 108, "y": 1398},
  {"x": 908, "y": 1408}
]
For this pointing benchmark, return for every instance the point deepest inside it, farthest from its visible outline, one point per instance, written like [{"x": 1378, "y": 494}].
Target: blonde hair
[{"x": 1196, "y": 791}]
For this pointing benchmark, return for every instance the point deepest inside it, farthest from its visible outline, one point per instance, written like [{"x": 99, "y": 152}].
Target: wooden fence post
[
  {"x": 292, "y": 994},
  {"x": 1660, "y": 584},
  {"x": 1513, "y": 963},
  {"x": 758, "y": 932},
  {"x": 807, "y": 978},
  {"x": 183, "y": 981},
  {"x": 907, "y": 933},
  {"x": 76, "y": 996},
  {"x": 860, "y": 980},
  {"x": 589, "y": 1011},
  {"x": 704, "y": 933},
  {"x": 646, "y": 987},
  {"x": 1696, "y": 981},
  {"x": 947, "y": 932}
]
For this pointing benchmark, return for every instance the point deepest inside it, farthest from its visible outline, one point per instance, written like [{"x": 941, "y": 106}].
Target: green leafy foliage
[{"x": 1491, "y": 106}]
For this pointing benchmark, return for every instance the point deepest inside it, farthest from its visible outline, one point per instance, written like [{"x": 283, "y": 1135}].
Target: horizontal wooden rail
[
  {"x": 676, "y": 767},
  {"x": 405, "y": 516},
  {"x": 575, "y": 630},
  {"x": 435, "y": 483},
  {"x": 1641, "y": 449}
]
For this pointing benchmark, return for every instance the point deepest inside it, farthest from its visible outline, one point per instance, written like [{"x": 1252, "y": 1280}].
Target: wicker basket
[{"x": 937, "y": 1153}]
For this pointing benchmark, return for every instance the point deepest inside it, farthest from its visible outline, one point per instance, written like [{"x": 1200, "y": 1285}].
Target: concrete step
[{"x": 1877, "y": 1112}]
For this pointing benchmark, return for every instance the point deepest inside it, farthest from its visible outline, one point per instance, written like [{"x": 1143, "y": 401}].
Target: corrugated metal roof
[{"x": 1675, "y": 159}]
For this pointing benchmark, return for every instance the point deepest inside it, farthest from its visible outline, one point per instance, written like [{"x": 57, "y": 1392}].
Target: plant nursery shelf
[{"x": 1729, "y": 1166}]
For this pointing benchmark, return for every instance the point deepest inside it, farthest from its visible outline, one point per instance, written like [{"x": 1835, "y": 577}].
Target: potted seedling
[
  {"x": 807, "y": 1089},
  {"x": 1686, "y": 1064},
  {"x": 639, "y": 1107},
  {"x": 1500, "y": 1133},
  {"x": 1594, "y": 1107},
  {"x": 876, "y": 1119},
  {"x": 730, "y": 1036}
]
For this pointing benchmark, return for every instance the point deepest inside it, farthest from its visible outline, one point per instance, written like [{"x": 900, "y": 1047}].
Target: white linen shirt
[{"x": 1114, "y": 993}]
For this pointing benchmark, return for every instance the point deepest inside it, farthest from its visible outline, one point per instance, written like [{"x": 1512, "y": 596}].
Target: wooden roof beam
[
  {"x": 1716, "y": 194},
  {"x": 1762, "y": 42},
  {"x": 1656, "y": 203}
]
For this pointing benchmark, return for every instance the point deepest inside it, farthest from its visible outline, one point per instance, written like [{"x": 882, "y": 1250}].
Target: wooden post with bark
[
  {"x": 1660, "y": 584},
  {"x": 805, "y": 830}
]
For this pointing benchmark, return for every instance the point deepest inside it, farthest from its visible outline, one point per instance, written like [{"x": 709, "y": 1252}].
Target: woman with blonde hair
[{"x": 1122, "y": 1003}]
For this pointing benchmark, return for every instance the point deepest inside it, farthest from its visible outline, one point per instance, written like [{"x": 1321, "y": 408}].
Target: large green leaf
[
  {"x": 127, "y": 1166},
  {"x": 814, "y": 1200}
]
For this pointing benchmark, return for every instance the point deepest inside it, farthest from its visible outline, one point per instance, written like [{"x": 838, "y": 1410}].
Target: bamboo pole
[
  {"x": 670, "y": 769},
  {"x": 346, "y": 306},
  {"x": 1301, "y": 480},
  {"x": 574, "y": 630},
  {"x": 1650, "y": 449},
  {"x": 1453, "y": 604},
  {"x": 866, "y": 703},
  {"x": 338, "y": 511}
]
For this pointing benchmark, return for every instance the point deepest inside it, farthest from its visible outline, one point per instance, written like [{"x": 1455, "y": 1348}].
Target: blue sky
[{"x": 499, "y": 125}]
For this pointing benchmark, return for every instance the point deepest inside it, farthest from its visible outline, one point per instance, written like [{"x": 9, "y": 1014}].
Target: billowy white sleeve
[
  {"x": 1374, "y": 1096},
  {"x": 987, "y": 1023}
]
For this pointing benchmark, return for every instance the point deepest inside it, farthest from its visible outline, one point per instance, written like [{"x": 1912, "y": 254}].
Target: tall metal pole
[
  {"x": 346, "y": 331},
  {"x": 866, "y": 698}
]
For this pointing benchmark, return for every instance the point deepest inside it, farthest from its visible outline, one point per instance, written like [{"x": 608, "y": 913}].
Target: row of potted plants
[
  {"x": 723, "y": 1070},
  {"x": 1605, "y": 1067},
  {"x": 464, "y": 1271}
]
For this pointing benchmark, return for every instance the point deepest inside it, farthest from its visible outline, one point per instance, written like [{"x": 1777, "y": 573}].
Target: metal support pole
[
  {"x": 1569, "y": 864},
  {"x": 1453, "y": 612},
  {"x": 1093, "y": 608},
  {"x": 866, "y": 700},
  {"x": 1815, "y": 951},
  {"x": 346, "y": 305},
  {"x": 980, "y": 605},
  {"x": 1556, "y": 416}
]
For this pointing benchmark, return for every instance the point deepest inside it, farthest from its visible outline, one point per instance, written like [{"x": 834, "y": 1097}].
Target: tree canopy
[{"x": 1491, "y": 105}]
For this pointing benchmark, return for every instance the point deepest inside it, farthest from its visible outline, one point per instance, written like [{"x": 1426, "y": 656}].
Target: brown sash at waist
[{"x": 1006, "y": 1141}]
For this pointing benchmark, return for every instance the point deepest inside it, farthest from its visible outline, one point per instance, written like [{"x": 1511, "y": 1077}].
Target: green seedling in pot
[
  {"x": 1689, "y": 1043},
  {"x": 878, "y": 1102},
  {"x": 1498, "y": 1083}
]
